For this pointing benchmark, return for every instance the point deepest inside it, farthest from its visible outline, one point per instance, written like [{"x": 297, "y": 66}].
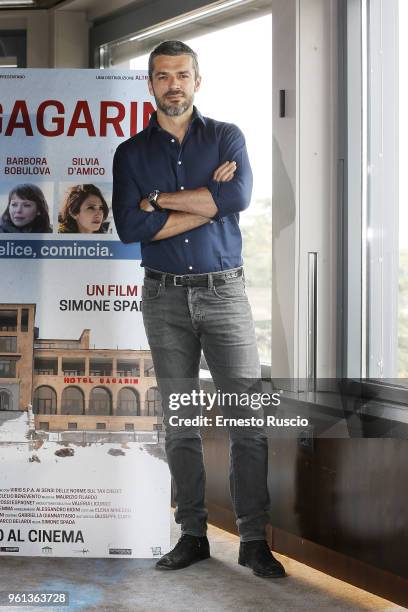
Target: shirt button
[
  {"x": 172, "y": 140},
  {"x": 179, "y": 163},
  {"x": 190, "y": 267},
  {"x": 186, "y": 240},
  {"x": 182, "y": 187},
  {"x": 211, "y": 221}
]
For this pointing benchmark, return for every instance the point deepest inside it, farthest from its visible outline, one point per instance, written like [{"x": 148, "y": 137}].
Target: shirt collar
[{"x": 195, "y": 118}]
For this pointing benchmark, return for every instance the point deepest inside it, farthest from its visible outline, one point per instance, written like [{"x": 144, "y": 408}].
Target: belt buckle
[{"x": 175, "y": 283}]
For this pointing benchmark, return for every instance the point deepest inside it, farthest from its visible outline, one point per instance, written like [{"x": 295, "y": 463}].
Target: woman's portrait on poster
[
  {"x": 84, "y": 211},
  {"x": 26, "y": 212}
]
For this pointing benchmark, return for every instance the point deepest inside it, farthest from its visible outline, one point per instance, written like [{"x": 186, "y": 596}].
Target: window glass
[
  {"x": 128, "y": 367},
  {"x": 148, "y": 367},
  {"x": 46, "y": 366},
  {"x": 72, "y": 401},
  {"x": 6, "y": 400},
  {"x": 100, "y": 401},
  {"x": 228, "y": 94},
  {"x": 8, "y": 344},
  {"x": 403, "y": 195},
  {"x": 128, "y": 402},
  {"x": 7, "y": 368},
  {"x": 386, "y": 237},
  {"x": 153, "y": 406},
  {"x": 45, "y": 400},
  {"x": 8, "y": 320},
  {"x": 24, "y": 320}
]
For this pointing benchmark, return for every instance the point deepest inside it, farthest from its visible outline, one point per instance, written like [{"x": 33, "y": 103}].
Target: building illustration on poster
[{"x": 70, "y": 385}]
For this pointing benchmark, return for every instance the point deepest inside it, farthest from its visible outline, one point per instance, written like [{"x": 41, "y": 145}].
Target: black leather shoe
[
  {"x": 189, "y": 549},
  {"x": 257, "y": 555}
]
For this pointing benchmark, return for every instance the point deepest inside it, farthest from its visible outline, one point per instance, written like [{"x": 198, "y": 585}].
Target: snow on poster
[{"x": 82, "y": 465}]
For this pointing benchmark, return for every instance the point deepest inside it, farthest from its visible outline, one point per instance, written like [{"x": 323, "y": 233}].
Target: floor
[{"x": 218, "y": 584}]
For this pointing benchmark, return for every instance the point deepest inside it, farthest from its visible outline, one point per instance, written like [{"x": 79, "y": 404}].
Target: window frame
[{"x": 358, "y": 294}]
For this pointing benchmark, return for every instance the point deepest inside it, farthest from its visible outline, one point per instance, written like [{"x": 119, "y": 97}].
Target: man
[{"x": 178, "y": 187}]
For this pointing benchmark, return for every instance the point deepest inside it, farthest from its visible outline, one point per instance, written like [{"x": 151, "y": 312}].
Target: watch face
[
  {"x": 152, "y": 198},
  {"x": 153, "y": 195}
]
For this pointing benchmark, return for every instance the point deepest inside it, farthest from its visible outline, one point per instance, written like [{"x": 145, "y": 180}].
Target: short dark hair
[{"x": 173, "y": 47}]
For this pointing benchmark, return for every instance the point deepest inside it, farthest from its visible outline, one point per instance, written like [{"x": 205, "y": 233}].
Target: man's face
[{"x": 174, "y": 83}]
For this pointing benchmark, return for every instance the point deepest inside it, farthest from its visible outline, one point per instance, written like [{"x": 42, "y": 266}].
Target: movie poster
[{"x": 82, "y": 463}]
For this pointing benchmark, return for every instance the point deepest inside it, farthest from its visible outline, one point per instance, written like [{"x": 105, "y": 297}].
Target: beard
[{"x": 174, "y": 109}]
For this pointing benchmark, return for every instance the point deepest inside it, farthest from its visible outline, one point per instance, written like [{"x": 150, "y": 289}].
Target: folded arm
[
  {"x": 133, "y": 224},
  {"x": 228, "y": 191},
  {"x": 178, "y": 223},
  {"x": 194, "y": 201}
]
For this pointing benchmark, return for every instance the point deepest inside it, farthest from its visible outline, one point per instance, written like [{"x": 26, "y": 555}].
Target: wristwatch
[{"x": 152, "y": 199}]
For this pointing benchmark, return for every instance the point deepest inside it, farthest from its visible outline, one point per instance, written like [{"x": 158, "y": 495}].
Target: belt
[{"x": 194, "y": 280}]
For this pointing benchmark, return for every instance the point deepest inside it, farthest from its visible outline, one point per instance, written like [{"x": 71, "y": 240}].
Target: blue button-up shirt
[{"x": 154, "y": 159}]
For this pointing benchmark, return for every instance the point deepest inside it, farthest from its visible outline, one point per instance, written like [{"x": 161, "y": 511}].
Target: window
[
  {"x": 129, "y": 427},
  {"x": 8, "y": 320},
  {"x": 73, "y": 367},
  {"x": 6, "y": 400},
  {"x": 45, "y": 400},
  {"x": 221, "y": 28},
  {"x": 46, "y": 366},
  {"x": 44, "y": 425},
  {"x": 101, "y": 426},
  {"x": 128, "y": 402},
  {"x": 100, "y": 401},
  {"x": 221, "y": 96},
  {"x": 24, "y": 319},
  {"x": 72, "y": 401},
  {"x": 72, "y": 426},
  {"x": 148, "y": 367},
  {"x": 385, "y": 237},
  {"x": 402, "y": 355},
  {"x": 7, "y": 368},
  {"x": 100, "y": 367},
  {"x": 153, "y": 406},
  {"x": 13, "y": 44},
  {"x": 126, "y": 368},
  {"x": 8, "y": 344}
]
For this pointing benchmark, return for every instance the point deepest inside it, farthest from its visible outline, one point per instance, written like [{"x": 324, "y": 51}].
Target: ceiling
[
  {"x": 47, "y": 3},
  {"x": 95, "y": 9},
  {"x": 97, "y": 6},
  {"x": 42, "y": 4}
]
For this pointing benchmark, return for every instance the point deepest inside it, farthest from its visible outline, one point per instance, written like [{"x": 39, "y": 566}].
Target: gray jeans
[{"x": 179, "y": 323}]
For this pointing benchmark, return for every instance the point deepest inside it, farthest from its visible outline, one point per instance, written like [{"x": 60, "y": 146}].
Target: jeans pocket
[
  {"x": 151, "y": 290},
  {"x": 231, "y": 291}
]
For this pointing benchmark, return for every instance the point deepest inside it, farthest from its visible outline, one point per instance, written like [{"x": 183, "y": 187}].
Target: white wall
[{"x": 68, "y": 39}]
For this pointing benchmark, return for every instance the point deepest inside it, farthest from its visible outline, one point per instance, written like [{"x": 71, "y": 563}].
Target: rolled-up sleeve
[
  {"x": 132, "y": 223},
  {"x": 235, "y": 195}
]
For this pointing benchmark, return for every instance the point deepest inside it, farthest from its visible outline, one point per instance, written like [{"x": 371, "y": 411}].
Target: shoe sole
[
  {"x": 172, "y": 569},
  {"x": 280, "y": 575}
]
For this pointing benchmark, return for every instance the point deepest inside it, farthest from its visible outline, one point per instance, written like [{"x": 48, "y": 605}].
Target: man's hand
[
  {"x": 225, "y": 172},
  {"x": 145, "y": 205}
]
